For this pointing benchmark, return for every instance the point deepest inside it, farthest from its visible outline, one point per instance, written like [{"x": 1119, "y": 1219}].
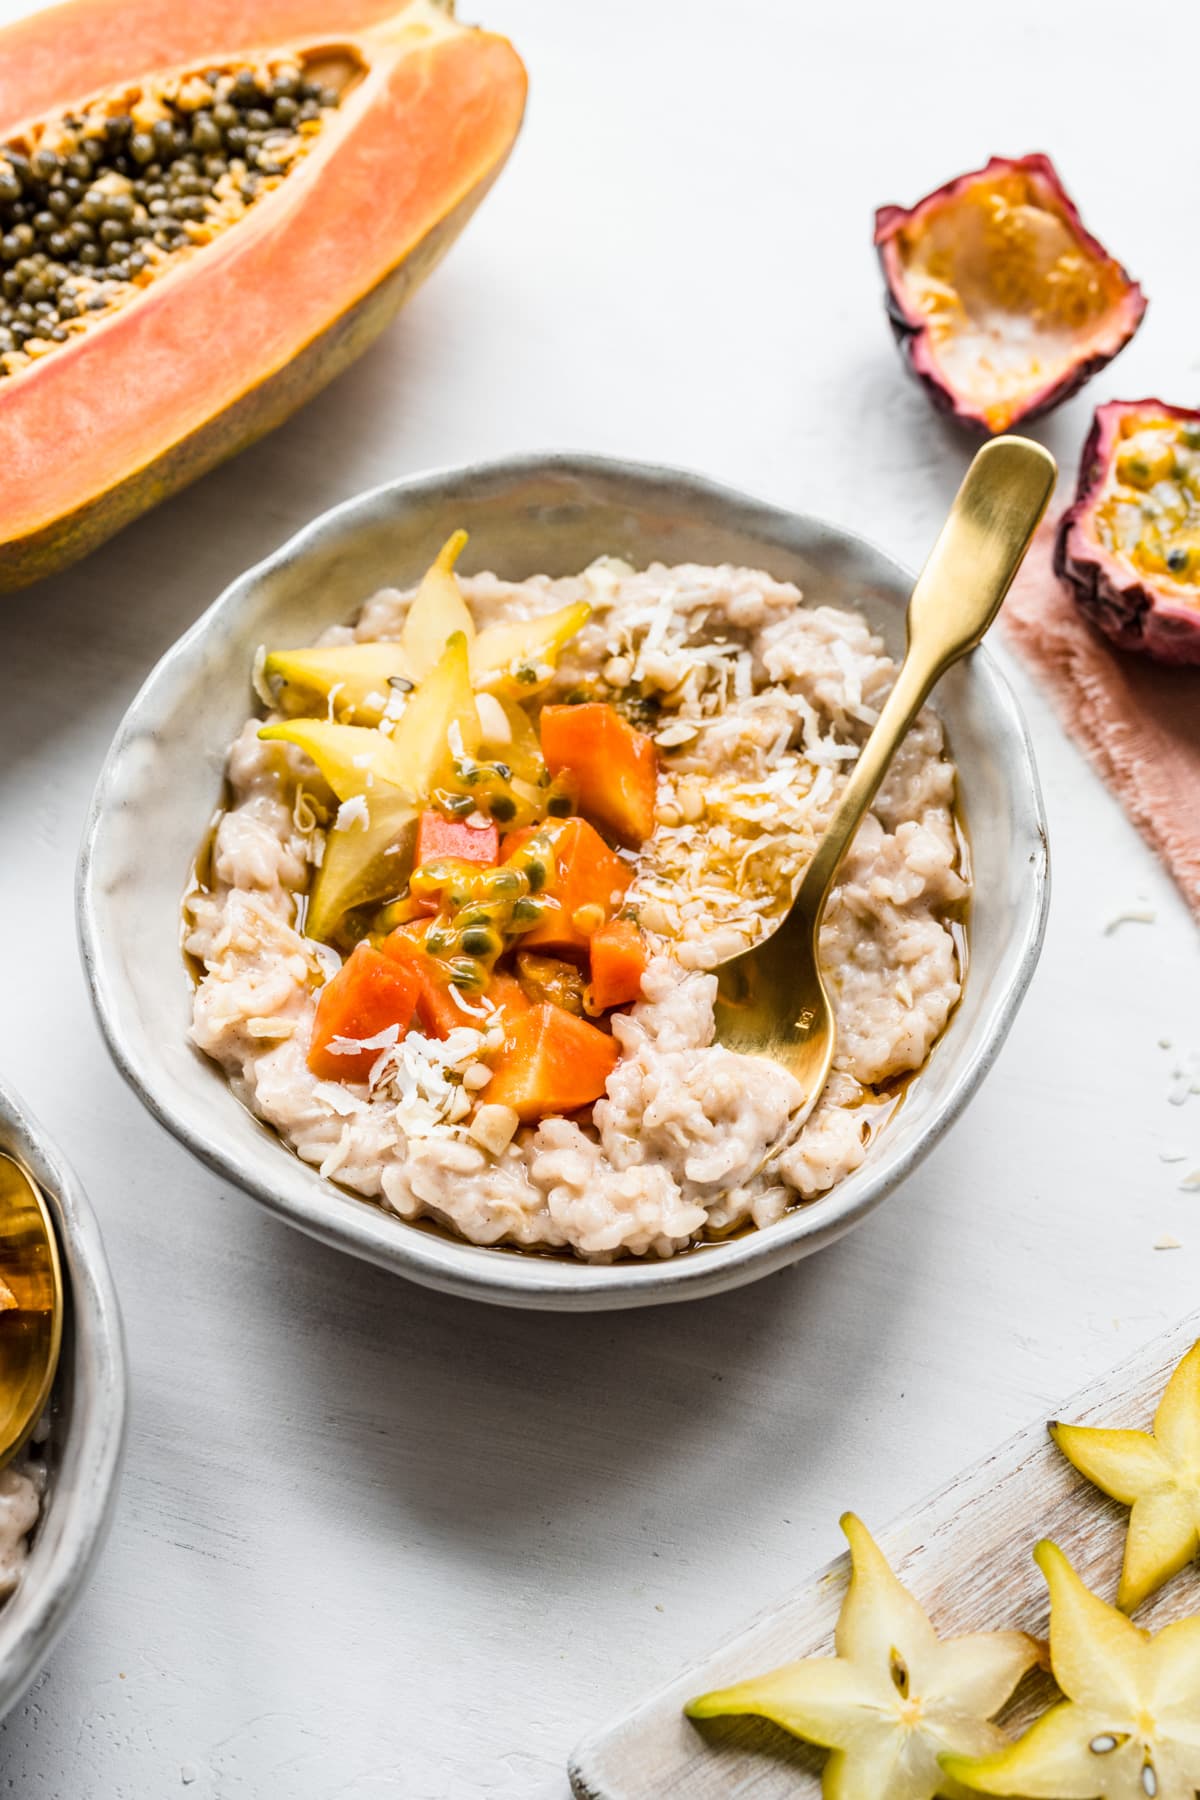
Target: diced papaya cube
[
  {"x": 614, "y": 768},
  {"x": 509, "y": 998},
  {"x": 369, "y": 993},
  {"x": 585, "y": 886},
  {"x": 438, "y": 1012},
  {"x": 461, "y": 838},
  {"x": 618, "y": 958},
  {"x": 552, "y": 1062},
  {"x": 513, "y": 841},
  {"x": 438, "y": 836}
]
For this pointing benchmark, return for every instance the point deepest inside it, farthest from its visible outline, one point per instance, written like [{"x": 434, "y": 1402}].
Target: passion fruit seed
[
  {"x": 95, "y": 205},
  {"x": 1152, "y": 511},
  {"x": 481, "y": 911}
]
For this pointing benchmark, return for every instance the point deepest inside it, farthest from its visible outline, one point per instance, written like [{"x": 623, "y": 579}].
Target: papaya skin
[{"x": 298, "y": 292}]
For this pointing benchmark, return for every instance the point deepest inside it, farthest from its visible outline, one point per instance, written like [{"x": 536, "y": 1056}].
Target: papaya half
[{"x": 206, "y": 212}]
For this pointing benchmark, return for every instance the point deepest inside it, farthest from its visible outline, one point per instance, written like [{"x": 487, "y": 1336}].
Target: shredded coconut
[
  {"x": 760, "y": 706},
  {"x": 352, "y": 812}
]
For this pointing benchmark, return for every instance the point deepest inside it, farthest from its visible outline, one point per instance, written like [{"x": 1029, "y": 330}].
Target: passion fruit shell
[
  {"x": 1129, "y": 544},
  {"x": 1002, "y": 303}
]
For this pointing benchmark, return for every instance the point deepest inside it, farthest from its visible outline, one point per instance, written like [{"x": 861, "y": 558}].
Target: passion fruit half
[
  {"x": 1129, "y": 544},
  {"x": 1001, "y": 301}
]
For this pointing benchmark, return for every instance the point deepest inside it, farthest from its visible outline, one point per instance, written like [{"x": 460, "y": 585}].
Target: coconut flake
[
  {"x": 348, "y": 1046},
  {"x": 337, "y": 1155},
  {"x": 1185, "y": 1080},
  {"x": 681, "y": 732},
  {"x": 352, "y": 812},
  {"x": 258, "y": 678},
  {"x": 464, "y": 1005},
  {"x": 336, "y": 1098},
  {"x": 1130, "y": 915}
]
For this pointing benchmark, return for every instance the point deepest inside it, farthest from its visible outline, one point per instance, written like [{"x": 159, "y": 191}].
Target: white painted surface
[{"x": 374, "y": 1543}]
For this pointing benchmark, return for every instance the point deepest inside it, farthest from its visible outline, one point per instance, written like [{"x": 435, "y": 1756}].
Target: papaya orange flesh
[
  {"x": 189, "y": 370},
  {"x": 611, "y": 767},
  {"x": 473, "y": 843},
  {"x": 369, "y": 993},
  {"x": 617, "y": 955},
  {"x": 552, "y": 1062},
  {"x": 508, "y": 997},
  {"x": 438, "y": 1012},
  {"x": 584, "y": 888}
]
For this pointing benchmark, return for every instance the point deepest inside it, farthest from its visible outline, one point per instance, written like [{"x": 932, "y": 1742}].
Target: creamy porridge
[
  {"x": 22, "y": 1490},
  {"x": 455, "y": 925}
]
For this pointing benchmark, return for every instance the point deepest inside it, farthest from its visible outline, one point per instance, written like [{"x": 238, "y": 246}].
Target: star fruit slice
[
  {"x": 383, "y": 782},
  {"x": 514, "y": 660},
  {"x": 356, "y": 678},
  {"x": 1129, "y": 1728},
  {"x": 895, "y": 1697},
  {"x": 437, "y": 612},
  {"x": 518, "y": 659},
  {"x": 1157, "y": 1474}
]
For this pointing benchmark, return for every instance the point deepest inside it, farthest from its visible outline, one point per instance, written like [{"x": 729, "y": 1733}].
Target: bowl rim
[
  {"x": 85, "y": 1477},
  {"x": 492, "y": 1273}
]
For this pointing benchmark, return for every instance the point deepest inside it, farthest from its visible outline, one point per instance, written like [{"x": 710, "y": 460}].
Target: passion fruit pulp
[
  {"x": 1001, "y": 301},
  {"x": 1129, "y": 544}
]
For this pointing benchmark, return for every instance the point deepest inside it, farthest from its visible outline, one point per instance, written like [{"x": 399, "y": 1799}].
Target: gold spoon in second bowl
[
  {"x": 31, "y": 1306},
  {"x": 772, "y": 1001}
]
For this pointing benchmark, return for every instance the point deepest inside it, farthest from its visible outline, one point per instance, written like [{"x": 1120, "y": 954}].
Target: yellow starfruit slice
[
  {"x": 519, "y": 659},
  {"x": 440, "y": 724},
  {"x": 350, "y": 757},
  {"x": 1129, "y": 1728},
  {"x": 895, "y": 1697},
  {"x": 354, "y": 680},
  {"x": 382, "y": 783},
  {"x": 1157, "y": 1474},
  {"x": 510, "y": 737},
  {"x": 368, "y": 858},
  {"x": 437, "y": 612}
]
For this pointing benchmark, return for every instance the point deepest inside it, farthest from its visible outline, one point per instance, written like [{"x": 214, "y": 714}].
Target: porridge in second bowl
[{"x": 455, "y": 923}]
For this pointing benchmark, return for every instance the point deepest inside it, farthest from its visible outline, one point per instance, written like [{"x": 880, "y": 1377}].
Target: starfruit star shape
[
  {"x": 1129, "y": 1728},
  {"x": 1157, "y": 1474},
  {"x": 895, "y": 1697}
]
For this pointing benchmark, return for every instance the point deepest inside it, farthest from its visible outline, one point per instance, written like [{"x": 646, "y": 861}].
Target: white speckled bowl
[
  {"x": 84, "y": 1450},
  {"x": 162, "y": 779}
]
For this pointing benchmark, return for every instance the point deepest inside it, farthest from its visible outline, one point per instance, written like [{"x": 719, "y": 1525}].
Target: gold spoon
[
  {"x": 771, "y": 1000},
  {"x": 31, "y": 1306}
]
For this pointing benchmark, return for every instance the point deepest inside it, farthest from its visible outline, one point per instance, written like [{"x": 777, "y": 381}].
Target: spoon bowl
[
  {"x": 772, "y": 1000},
  {"x": 31, "y": 1306}
]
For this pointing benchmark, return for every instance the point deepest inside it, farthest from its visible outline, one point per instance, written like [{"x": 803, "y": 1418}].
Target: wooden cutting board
[{"x": 967, "y": 1555}]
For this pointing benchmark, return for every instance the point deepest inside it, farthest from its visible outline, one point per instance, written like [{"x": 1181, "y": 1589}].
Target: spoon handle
[{"x": 970, "y": 569}]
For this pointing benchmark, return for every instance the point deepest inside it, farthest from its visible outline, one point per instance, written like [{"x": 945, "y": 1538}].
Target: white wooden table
[{"x": 372, "y": 1542}]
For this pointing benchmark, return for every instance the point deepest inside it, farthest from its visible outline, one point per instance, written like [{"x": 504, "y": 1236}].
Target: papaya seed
[{"x": 85, "y": 225}]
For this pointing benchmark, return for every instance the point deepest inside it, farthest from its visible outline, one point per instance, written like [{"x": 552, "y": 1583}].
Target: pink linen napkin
[{"x": 1139, "y": 721}]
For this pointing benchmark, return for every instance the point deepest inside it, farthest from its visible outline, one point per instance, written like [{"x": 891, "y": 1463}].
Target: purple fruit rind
[
  {"x": 1129, "y": 609},
  {"x": 911, "y": 329}
]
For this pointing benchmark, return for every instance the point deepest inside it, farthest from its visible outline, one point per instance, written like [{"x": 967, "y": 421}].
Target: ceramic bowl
[
  {"x": 162, "y": 779},
  {"x": 88, "y": 1418}
]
